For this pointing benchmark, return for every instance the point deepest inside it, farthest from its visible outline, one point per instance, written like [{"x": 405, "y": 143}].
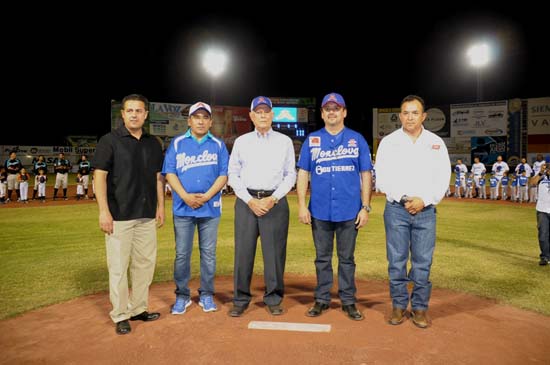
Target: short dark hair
[
  {"x": 137, "y": 97},
  {"x": 409, "y": 98}
]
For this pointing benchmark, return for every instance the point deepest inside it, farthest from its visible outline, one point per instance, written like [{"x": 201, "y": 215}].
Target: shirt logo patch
[
  {"x": 314, "y": 141},
  {"x": 436, "y": 146},
  {"x": 352, "y": 143}
]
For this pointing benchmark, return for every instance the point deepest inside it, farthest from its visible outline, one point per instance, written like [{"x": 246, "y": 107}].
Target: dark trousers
[
  {"x": 323, "y": 238},
  {"x": 543, "y": 225},
  {"x": 272, "y": 229}
]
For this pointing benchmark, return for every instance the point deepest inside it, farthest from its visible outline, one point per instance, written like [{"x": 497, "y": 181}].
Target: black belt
[{"x": 259, "y": 194}]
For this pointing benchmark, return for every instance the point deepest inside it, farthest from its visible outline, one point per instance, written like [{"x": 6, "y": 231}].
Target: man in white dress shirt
[
  {"x": 261, "y": 172},
  {"x": 542, "y": 180},
  {"x": 410, "y": 214}
]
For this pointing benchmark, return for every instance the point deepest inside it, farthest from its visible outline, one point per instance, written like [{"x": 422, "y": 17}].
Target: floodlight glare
[
  {"x": 214, "y": 62},
  {"x": 479, "y": 55}
]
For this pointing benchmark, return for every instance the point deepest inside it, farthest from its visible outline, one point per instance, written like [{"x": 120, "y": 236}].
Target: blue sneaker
[
  {"x": 207, "y": 303},
  {"x": 180, "y": 305}
]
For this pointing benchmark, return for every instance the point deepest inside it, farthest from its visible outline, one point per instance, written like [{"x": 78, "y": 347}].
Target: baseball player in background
[
  {"x": 13, "y": 166},
  {"x": 3, "y": 184},
  {"x": 477, "y": 169},
  {"x": 482, "y": 190},
  {"x": 38, "y": 164},
  {"x": 23, "y": 179},
  {"x": 499, "y": 169},
  {"x": 523, "y": 181},
  {"x": 42, "y": 178},
  {"x": 61, "y": 167},
  {"x": 84, "y": 168},
  {"x": 493, "y": 183},
  {"x": 504, "y": 185}
]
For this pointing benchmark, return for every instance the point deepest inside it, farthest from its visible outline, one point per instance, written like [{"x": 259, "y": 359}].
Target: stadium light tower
[
  {"x": 214, "y": 62},
  {"x": 479, "y": 55}
]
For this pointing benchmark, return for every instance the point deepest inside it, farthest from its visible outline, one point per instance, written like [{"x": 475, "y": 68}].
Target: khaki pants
[
  {"x": 61, "y": 180},
  {"x": 134, "y": 244}
]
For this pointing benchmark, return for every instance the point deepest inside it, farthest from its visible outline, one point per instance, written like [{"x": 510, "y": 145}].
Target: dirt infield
[{"x": 465, "y": 330}]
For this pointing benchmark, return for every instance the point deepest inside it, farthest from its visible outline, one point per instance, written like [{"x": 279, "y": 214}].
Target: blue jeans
[
  {"x": 323, "y": 238},
  {"x": 415, "y": 234},
  {"x": 184, "y": 228},
  {"x": 543, "y": 225}
]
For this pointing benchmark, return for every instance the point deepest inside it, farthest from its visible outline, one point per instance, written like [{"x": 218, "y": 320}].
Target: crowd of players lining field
[
  {"x": 15, "y": 176},
  {"x": 500, "y": 182}
]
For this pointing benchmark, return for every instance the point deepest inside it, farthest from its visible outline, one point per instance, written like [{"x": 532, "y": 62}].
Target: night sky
[{"x": 372, "y": 58}]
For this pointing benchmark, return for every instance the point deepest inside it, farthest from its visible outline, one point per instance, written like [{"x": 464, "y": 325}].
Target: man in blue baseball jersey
[
  {"x": 338, "y": 161},
  {"x": 196, "y": 168}
]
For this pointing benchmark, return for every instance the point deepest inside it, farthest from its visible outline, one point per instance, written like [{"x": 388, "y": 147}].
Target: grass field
[{"x": 52, "y": 254}]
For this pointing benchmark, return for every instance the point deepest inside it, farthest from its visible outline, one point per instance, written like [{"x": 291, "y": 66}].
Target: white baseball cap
[{"x": 198, "y": 106}]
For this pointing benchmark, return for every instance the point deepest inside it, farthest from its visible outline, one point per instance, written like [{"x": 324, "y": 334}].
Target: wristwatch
[
  {"x": 275, "y": 200},
  {"x": 366, "y": 207}
]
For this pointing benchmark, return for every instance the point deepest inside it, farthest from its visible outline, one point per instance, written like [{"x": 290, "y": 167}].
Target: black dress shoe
[
  {"x": 123, "y": 327},
  {"x": 543, "y": 261},
  {"x": 237, "y": 310},
  {"x": 317, "y": 309},
  {"x": 146, "y": 317},
  {"x": 275, "y": 310},
  {"x": 352, "y": 312}
]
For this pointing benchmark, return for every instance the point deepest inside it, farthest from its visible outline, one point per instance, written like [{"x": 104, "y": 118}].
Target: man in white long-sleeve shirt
[
  {"x": 542, "y": 180},
  {"x": 262, "y": 170},
  {"x": 410, "y": 214}
]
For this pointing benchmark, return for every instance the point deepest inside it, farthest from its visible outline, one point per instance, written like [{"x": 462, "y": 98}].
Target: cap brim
[{"x": 199, "y": 109}]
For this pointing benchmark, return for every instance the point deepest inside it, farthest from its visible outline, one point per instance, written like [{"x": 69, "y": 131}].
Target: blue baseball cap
[
  {"x": 334, "y": 98},
  {"x": 260, "y": 100}
]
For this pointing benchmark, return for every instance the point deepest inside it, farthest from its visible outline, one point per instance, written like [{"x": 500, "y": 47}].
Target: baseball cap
[
  {"x": 199, "y": 106},
  {"x": 259, "y": 100},
  {"x": 334, "y": 98}
]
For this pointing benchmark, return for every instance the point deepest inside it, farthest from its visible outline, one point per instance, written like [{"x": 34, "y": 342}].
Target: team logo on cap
[
  {"x": 332, "y": 98},
  {"x": 314, "y": 141}
]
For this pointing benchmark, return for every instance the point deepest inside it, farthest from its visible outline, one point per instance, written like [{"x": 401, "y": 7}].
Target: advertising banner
[{"x": 479, "y": 119}]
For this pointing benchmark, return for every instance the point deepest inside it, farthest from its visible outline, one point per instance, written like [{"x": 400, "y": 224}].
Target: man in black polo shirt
[{"x": 130, "y": 194}]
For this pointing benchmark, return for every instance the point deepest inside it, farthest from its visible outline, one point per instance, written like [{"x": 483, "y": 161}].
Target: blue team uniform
[
  {"x": 197, "y": 165},
  {"x": 335, "y": 163}
]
